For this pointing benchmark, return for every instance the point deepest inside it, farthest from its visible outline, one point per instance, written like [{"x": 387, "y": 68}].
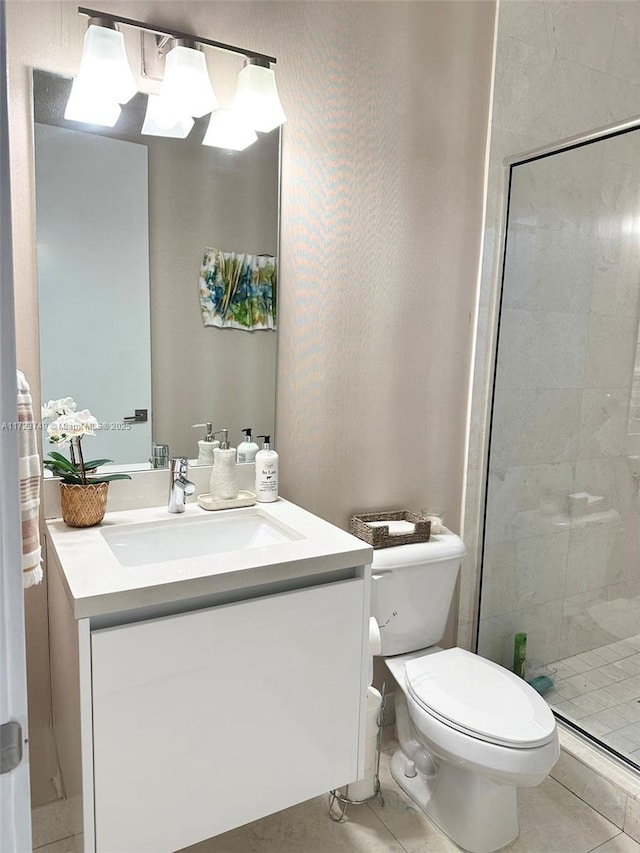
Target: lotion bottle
[
  {"x": 247, "y": 448},
  {"x": 206, "y": 445},
  {"x": 266, "y": 472},
  {"x": 224, "y": 477}
]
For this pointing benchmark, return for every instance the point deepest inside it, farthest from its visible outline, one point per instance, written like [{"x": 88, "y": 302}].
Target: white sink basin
[{"x": 182, "y": 538}]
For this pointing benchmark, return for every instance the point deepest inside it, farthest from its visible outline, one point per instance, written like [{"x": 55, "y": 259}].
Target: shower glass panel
[{"x": 561, "y": 555}]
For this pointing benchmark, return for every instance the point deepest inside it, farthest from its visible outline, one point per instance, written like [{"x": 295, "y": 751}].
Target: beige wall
[
  {"x": 562, "y": 69},
  {"x": 381, "y": 214}
]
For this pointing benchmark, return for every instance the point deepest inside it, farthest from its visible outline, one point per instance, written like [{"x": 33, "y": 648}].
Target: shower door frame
[{"x": 497, "y": 295}]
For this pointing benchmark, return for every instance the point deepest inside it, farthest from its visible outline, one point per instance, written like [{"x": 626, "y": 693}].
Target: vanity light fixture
[
  {"x": 228, "y": 130},
  {"x": 105, "y": 81},
  {"x": 87, "y": 108},
  {"x": 186, "y": 91},
  {"x": 257, "y": 99},
  {"x": 186, "y": 86},
  {"x": 161, "y": 120}
]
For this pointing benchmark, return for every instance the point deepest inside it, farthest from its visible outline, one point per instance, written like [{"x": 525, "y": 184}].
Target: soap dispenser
[
  {"x": 224, "y": 477},
  {"x": 247, "y": 448},
  {"x": 266, "y": 472},
  {"x": 206, "y": 445}
]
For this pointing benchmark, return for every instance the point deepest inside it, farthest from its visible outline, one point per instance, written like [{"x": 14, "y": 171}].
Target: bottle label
[{"x": 268, "y": 478}]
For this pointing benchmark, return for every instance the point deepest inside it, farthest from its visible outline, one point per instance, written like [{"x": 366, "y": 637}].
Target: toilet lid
[{"x": 476, "y": 696}]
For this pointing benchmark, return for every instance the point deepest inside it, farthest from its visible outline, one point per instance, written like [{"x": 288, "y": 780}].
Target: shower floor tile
[{"x": 599, "y": 690}]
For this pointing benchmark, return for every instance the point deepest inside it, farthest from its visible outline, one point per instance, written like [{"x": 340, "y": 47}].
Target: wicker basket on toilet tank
[{"x": 379, "y": 536}]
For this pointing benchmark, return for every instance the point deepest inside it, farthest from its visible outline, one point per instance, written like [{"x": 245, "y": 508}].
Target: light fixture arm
[{"x": 177, "y": 34}]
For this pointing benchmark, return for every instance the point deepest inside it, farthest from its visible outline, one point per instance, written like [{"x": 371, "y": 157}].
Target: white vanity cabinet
[
  {"x": 195, "y": 716},
  {"x": 207, "y": 720}
]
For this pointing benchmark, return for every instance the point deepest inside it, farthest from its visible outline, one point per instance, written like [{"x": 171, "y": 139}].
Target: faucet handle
[{"x": 179, "y": 465}]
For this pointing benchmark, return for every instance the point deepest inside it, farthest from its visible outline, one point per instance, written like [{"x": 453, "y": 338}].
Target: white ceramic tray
[{"x": 208, "y": 501}]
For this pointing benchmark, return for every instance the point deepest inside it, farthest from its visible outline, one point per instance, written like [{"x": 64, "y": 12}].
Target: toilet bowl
[{"x": 470, "y": 732}]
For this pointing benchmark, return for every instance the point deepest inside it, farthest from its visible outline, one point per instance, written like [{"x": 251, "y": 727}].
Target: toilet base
[{"x": 478, "y": 814}]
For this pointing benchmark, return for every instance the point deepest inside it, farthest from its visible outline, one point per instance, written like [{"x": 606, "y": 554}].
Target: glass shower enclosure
[{"x": 561, "y": 545}]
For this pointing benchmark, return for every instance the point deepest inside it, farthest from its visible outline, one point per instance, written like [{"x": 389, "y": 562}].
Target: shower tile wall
[
  {"x": 566, "y": 569},
  {"x": 561, "y": 69}
]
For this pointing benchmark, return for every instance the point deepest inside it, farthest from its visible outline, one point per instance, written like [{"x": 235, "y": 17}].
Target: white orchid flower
[
  {"x": 68, "y": 427},
  {"x": 72, "y": 425},
  {"x": 58, "y": 431},
  {"x": 56, "y": 408},
  {"x": 87, "y": 422}
]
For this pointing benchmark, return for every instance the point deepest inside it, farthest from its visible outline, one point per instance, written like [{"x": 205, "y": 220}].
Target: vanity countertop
[{"x": 96, "y": 582}]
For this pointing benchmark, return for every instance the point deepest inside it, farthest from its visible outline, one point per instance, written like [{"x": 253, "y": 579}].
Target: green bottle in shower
[{"x": 519, "y": 653}]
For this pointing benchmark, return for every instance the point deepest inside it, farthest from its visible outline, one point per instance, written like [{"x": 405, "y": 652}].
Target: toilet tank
[{"x": 411, "y": 591}]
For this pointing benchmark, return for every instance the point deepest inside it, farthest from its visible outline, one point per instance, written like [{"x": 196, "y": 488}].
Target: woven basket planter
[{"x": 83, "y": 506}]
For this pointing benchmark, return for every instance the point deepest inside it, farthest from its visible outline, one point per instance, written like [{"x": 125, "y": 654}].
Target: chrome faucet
[{"x": 179, "y": 486}]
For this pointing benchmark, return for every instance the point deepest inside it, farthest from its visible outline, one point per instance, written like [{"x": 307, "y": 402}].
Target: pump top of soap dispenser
[
  {"x": 247, "y": 433},
  {"x": 224, "y": 441},
  {"x": 266, "y": 444},
  {"x": 208, "y": 436}
]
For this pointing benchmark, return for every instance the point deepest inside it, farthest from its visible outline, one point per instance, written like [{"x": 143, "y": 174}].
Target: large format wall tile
[
  {"x": 596, "y": 554},
  {"x": 611, "y": 351},
  {"x": 524, "y": 501},
  {"x": 600, "y": 617},
  {"x": 603, "y": 422},
  {"x": 548, "y": 270},
  {"x": 582, "y": 31},
  {"x": 617, "y": 214},
  {"x": 524, "y": 573},
  {"x": 624, "y": 60},
  {"x": 625, "y": 148},
  {"x": 615, "y": 270},
  {"x": 541, "y": 623},
  {"x": 526, "y": 22},
  {"x": 539, "y": 94},
  {"x": 616, "y": 478},
  {"x": 541, "y": 349},
  {"x": 623, "y": 100},
  {"x": 532, "y": 426}
]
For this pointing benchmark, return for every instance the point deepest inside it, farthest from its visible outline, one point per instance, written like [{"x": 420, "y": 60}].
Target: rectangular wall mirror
[{"x": 123, "y": 222}]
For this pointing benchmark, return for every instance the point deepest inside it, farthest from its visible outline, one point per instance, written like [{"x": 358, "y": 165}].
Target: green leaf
[
  {"x": 57, "y": 468},
  {"x": 71, "y": 479},
  {"x": 95, "y": 463},
  {"x": 109, "y": 477},
  {"x": 55, "y": 455},
  {"x": 62, "y": 462}
]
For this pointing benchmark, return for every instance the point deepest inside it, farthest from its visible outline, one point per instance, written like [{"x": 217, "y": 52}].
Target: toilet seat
[{"x": 479, "y": 698}]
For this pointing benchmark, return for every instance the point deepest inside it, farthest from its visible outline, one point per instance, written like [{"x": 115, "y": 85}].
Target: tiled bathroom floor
[
  {"x": 553, "y": 820},
  {"x": 600, "y": 691}
]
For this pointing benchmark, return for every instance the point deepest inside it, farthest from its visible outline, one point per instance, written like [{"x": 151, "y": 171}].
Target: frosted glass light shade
[
  {"x": 227, "y": 130},
  {"x": 186, "y": 86},
  {"x": 104, "y": 66},
  {"x": 86, "y": 106},
  {"x": 257, "y": 99},
  {"x": 161, "y": 120}
]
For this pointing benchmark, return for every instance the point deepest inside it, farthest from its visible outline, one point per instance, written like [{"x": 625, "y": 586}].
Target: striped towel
[{"x": 29, "y": 485}]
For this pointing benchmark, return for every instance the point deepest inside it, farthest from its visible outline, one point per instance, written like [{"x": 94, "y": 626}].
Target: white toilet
[{"x": 470, "y": 731}]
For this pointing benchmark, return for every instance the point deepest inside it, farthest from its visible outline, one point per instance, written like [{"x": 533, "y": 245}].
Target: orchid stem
[{"x": 80, "y": 459}]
